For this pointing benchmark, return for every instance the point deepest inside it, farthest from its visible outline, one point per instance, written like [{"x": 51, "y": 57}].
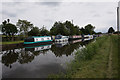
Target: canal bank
[
  {"x": 98, "y": 60},
  {"x": 11, "y": 45}
]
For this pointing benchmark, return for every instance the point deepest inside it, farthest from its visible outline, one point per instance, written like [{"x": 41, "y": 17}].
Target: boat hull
[{"x": 38, "y": 43}]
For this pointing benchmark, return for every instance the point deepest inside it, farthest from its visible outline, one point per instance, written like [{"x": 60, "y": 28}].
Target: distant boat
[
  {"x": 88, "y": 36},
  {"x": 75, "y": 37},
  {"x": 60, "y": 38},
  {"x": 37, "y": 40}
]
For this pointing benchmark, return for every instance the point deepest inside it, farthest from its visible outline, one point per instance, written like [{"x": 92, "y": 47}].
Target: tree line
[{"x": 26, "y": 28}]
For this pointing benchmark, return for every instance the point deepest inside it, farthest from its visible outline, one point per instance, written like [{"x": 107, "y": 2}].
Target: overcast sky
[{"x": 102, "y": 15}]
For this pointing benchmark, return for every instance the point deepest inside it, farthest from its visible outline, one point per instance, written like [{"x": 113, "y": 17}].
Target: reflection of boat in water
[
  {"x": 37, "y": 40},
  {"x": 61, "y": 44},
  {"x": 38, "y": 48},
  {"x": 60, "y": 38},
  {"x": 76, "y": 41},
  {"x": 86, "y": 39}
]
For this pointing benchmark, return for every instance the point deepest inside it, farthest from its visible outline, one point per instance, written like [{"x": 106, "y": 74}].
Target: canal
[{"x": 39, "y": 61}]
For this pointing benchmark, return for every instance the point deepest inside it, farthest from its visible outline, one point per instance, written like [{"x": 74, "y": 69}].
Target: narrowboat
[
  {"x": 37, "y": 40},
  {"x": 88, "y": 36},
  {"x": 91, "y": 36},
  {"x": 75, "y": 37},
  {"x": 60, "y": 38}
]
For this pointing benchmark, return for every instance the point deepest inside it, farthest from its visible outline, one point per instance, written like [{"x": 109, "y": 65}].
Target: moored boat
[
  {"x": 37, "y": 40},
  {"x": 75, "y": 37},
  {"x": 60, "y": 38},
  {"x": 88, "y": 36}
]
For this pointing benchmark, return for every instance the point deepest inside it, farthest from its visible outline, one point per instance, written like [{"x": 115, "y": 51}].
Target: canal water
[{"x": 39, "y": 61}]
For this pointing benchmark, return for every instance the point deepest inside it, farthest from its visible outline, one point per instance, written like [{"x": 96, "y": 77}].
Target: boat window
[
  {"x": 36, "y": 39},
  {"x": 48, "y": 38},
  {"x": 58, "y": 37},
  {"x": 42, "y": 39}
]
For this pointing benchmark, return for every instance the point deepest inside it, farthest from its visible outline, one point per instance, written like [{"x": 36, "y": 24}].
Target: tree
[
  {"x": 70, "y": 28},
  {"x": 65, "y": 28},
  {"x": 82, "y": 30},
  {"x": 9, "y": 29},
  {"x": 34, "y": 32},
  {"x": 24, "y": 26},
  {"x": 58, "y": 28},
  {"x": 89, "y": 29},
  {"x": 44, "y": 31},
  {"x": 111, "y": 30},
  {"x": 77, "y": 30}
]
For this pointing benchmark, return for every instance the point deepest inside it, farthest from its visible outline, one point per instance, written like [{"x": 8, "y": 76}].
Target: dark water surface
[{"x": 38, "y": 61}]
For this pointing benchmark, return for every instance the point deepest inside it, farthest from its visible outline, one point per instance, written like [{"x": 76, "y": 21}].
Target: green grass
[
  {"x": 119, "y": 56},
  {"x": 92, "y": 61},
  {"x": 11, "y": 42},
  {"x": 115, "y": 41}
]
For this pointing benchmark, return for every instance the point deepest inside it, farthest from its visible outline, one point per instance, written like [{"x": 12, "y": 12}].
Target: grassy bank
[
  {"x": 11, "y": 42},
  {"x": 98, "y": 60}
]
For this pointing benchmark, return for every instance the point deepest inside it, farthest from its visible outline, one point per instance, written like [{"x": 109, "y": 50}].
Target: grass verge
[
  {"x": 93, "y": 61},
  {"x": 11, "y": 42}
]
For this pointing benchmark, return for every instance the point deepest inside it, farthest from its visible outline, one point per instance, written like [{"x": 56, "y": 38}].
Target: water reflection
[
  {"x": 41, "y": 57},
  {"x": 67, "y": 49},
  {"x": 27, "y": 54},
  {"x": 61, "y": 44},
  {"x": 38, "y": 48},
  {"x": 9, "y": 57}
]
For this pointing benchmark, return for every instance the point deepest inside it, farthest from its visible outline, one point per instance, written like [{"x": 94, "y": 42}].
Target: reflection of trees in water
[
  {"x": 11, "y": 56},
  {"x": 65, "y": 50},
  {"x": 25, "y": 57},
  {"x": 36, "y": 53}
]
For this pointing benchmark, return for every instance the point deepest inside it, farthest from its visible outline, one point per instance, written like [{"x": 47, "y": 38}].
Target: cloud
[
  {"x": 49, "y": 4},
  {"x": 100, "y": 14},
  {"x": 13, "y": 9},
  {"x": 110, "y": 12},
  {"x": 96, "y": 15},
  {"x": 9, "y": 14}
]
